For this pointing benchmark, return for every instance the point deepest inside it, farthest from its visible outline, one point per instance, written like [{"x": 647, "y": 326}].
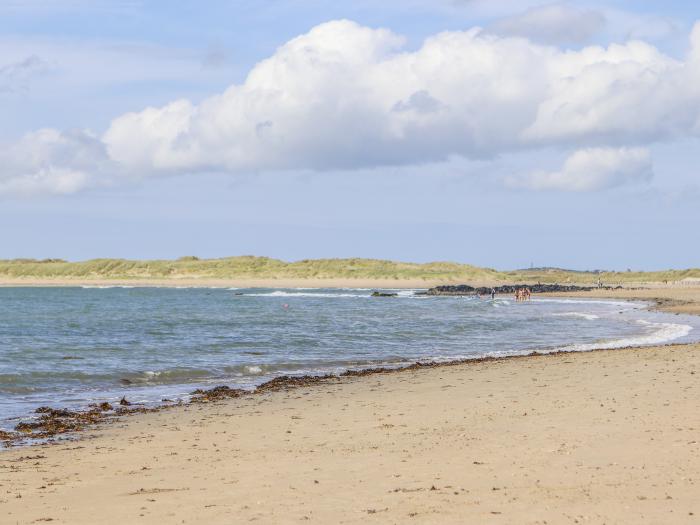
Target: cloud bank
[{"x": 344, "y": 96}]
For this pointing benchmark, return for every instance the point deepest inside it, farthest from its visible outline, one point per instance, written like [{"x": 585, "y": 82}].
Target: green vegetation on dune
[
  {"x": 249, "y": 267},
  {"x": 245, "y": 267}
]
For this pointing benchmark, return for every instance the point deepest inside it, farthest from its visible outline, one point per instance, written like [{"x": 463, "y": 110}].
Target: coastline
[
  {"x": 284, "y": 282},
  {"x": 366, "y": 404},
  {"x": 507, "y": 441}
]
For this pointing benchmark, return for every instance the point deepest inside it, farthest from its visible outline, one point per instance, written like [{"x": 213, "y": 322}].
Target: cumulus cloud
[
  {"x": 552, "y": 24},
  {"x": 592, "y": 169},
  {"x": 344, "y": 97},
  {"x": 54, "y": 162}
]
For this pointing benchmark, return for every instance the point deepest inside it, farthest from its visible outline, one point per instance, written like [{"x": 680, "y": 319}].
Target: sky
[{"x": 503, "y": 133}]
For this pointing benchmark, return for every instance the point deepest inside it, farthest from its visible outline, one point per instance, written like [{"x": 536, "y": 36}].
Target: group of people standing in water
[{"x": 522, "y": 294}]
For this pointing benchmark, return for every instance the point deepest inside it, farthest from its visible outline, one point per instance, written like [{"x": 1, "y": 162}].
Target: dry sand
[{"x": 599, "y": 437}]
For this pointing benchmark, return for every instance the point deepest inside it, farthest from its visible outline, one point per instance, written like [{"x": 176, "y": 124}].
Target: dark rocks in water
[
  {"x": 124, "y": 402},
  {"x": 384, "y": 294},
  {"x": 465, "y": 289},
  {"x": 125, "y": 381},
  {"x": 457, "y": 289}
]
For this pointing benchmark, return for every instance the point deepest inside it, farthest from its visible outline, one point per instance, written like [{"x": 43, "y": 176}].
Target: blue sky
[{"x": 558, "y": 133}]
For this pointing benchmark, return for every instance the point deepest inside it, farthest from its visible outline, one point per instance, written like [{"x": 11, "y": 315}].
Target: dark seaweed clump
[
  {"x": 55, "y": 421},
  {"x": 216, "y": 394}
]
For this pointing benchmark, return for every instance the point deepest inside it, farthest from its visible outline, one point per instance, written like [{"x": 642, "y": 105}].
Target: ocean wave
[
  {"x": 663, "y": 333},
  {"x": 106, "y": 286},
  {"x": 583, "y": 315},
  {"x": 332, "y": 295},
  {"x": 627, "y": 304},
  {"x": 280, "y": 293}
]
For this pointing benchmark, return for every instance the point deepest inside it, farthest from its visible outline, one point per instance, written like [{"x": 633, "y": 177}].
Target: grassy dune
[
  {"x": 249, "y": 267},
  {"x": 241, "y": 268}
]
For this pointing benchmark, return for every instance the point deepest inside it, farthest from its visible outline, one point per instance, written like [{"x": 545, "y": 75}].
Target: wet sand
[{"x": 599, "y": 437}]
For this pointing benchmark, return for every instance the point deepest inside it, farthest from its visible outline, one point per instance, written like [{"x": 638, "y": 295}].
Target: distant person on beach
[{"x": 493, "y": 293}]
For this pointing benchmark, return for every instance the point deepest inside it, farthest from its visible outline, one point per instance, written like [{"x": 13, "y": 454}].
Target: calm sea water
[{"x": 67, "y": 347}]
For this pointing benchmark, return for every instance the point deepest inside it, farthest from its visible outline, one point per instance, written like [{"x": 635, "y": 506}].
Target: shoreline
[
  {"x": 50, "y": 423},
  {"x": 60, "y": 425},
  {"x": 521, "y": 440}
]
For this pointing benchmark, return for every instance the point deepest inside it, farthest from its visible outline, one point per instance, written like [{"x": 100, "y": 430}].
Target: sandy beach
[{"x": 598, "y": 437}]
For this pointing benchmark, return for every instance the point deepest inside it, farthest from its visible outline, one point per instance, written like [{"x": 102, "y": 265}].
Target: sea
[{"x": 67, "y": 347}]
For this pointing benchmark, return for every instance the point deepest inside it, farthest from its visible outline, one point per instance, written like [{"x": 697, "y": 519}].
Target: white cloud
[
  {"x": 592, "y": 169},
  {"x": 345, "y": 96},
  {"x": 552, "y": 24},
  {"x": 54, "y": 162}
]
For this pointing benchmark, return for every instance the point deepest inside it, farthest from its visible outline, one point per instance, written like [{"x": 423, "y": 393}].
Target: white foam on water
[
  {"x": 105, "y": 287},
  {"x": 663, "y": 333},
  {"x": 626, "y": 304},
  {"x": 253, "y": 369},
  {"x": 589, "y": 317},
  {"x": 280, "y": 293}
]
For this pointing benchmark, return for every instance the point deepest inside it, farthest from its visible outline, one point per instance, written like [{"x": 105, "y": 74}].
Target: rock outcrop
[{"x": 465, "y": 289}]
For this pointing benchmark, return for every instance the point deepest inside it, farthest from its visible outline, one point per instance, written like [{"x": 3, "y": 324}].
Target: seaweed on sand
[{"x": 216, "y": 394}]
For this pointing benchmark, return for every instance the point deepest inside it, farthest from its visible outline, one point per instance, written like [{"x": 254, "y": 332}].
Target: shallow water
[{"x": 68, "y": 347}]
